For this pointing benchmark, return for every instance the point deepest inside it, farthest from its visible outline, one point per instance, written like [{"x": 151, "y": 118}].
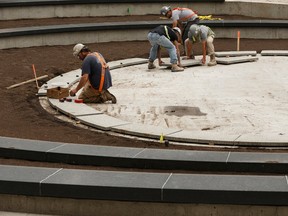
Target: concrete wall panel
[{"x": 254, "y": 9}]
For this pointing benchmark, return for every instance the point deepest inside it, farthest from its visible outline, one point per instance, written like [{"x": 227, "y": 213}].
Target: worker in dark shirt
[
  {"x": 96, "y": 77},
  {"x": 164, "y": 36}
]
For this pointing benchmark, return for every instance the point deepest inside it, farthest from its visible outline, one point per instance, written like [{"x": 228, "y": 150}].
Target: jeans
[{"x": 157, "y": 40}]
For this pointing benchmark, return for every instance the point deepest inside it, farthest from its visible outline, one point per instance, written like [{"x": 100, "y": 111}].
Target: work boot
[
  {"x": 176, "y": 68},
  {"x": 151, "y": 65},
  {"x": 212, "y": 60},
  {"x": 111, "y": 97}
]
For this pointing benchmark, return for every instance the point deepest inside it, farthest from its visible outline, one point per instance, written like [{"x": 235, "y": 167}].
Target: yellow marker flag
[{"x": 161, "y": 138}]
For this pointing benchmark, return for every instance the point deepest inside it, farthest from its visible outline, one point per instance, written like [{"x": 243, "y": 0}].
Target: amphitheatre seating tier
[
  {"x": 143, "y": 158},
  {"x": 144, "y": 186},
  {"x": 105, "y": 32},
  {"x": 38, "y": 189},
  {"x": 40, "y": 9},
  {"x": 11, "y": 3}
]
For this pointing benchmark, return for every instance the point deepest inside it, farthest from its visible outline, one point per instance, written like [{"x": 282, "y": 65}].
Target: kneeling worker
[
  {"x": 201, "y": 34},
  {"x": 96, "y": 77},
  {"x": 169, "y": 39}
]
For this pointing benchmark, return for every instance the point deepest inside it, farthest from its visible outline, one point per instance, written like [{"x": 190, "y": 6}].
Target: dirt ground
[
  {"x": 76, "y": 20},
  {"x": 23, "y": 117}
]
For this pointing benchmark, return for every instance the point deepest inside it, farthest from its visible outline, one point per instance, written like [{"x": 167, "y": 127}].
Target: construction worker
[
  {"x": 181, "y": 17},
  {"x": 169, "y": 39},
  {"x": 96, "y": 77},
  {"x": 201, "y": 34}
]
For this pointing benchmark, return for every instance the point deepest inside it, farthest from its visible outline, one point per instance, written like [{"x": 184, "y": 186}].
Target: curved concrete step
[
  {"x": 144, "y": 186},
  {"x": 142, "y": 158},
  {"x": 130, "y": 31},
  {"x": 66, "y": 8}
]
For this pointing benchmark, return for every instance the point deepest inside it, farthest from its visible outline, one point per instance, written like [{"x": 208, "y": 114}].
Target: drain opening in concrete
[{"x": 183, "y": 111}]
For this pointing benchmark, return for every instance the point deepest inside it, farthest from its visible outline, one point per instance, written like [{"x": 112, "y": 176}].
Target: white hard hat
[
  {"x": 177, "y": 29},
  {"x": 77, "y": 48},
  {"x": 164, "y": 10}
]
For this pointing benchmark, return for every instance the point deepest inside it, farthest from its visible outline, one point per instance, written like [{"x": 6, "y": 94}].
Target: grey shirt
[
  {"x": 204, "y": 33},
  {"x": 182, "y": 14}
]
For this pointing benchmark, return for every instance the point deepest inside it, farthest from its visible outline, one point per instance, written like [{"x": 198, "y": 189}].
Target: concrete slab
[
  {"x": 236, "y": 60},
  {"x": 235, "y": 189},
  {"x": 68, "y": 79},
  {"x": 25, "y": 148},
  {"x": 274, "y": 52},
  {"x": 95, "y": 155},
  {"x": 144, "y": 131},
  {"x": 95, "y": 150},
  {"x": 73, "y": 109},
  {"x": 27, "y": 144},
  {"x": 126, "y": 63},
  {"x": 183, "y": 155},
  {"x": 258, "y": 157},
  {"x": 235, "y": 53},
  {"x": 23, "y": 180},
  {"x": 257, "y": 162},
  {"x": 105, "y": 185},
  {"x": 185, "y": 63},
  {"x": 102, "y": 121}
]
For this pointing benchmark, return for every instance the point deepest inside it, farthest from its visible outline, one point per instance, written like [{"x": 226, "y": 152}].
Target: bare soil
[
  {"x": 77, "y": 20},
  {"x": 21, "y": 113}
]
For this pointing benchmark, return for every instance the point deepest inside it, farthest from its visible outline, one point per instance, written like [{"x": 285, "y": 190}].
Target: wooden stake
[
  {"x": 35, "y": 75},
  {"x": 28, "y": 81},
  {"x": 238, "y": 41}
]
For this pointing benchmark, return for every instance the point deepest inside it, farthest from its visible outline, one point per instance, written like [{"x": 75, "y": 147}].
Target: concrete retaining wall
[
  {"x": 76, "y": 207},
  {"x": 99, "y": 36},
  {"x": 247, "y": 8}
]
